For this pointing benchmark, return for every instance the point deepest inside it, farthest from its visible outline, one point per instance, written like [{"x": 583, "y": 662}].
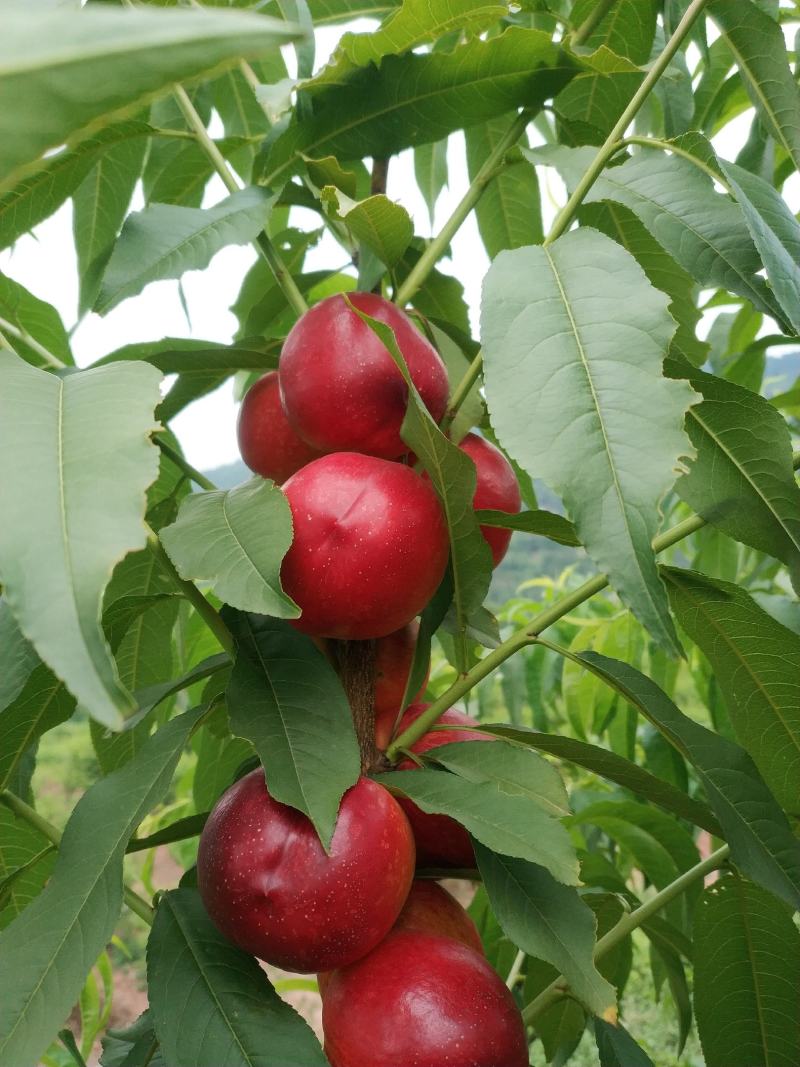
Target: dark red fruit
[
  {"x": 421, "y": 1000},
  {"x": 430, "y": 909},
  {"x": 394, "y": 655},
  {"x": 441, "y": 841},
  {"x": 370, "y": 546},
  {"x": 268, "y": 444},
  {"x": 342, "y": 390},
  {"x": 269, "y": 886},
  {"x": 497, "y": 489}
]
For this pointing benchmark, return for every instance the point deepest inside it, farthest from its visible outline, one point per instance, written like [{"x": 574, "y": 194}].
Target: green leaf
[
  {"x": 755, "y": 827},
  {"x": 201, "y": 366},
  {"x": 453, "y": 476},
  {"x": 285, "y": 697},
  {"x": 82, "y": 513},
  {"x": 37, "y": 196},
  {"x": 415, "y": 23},
  {"x": 758, "y": 46},
  {"x": 742, "y": 479},
  {"x": 218, "y": 758},
  {"x": 627, "y": 30},
  {"x": 574, "y": 337},
  {"x": 659, "y": 845},
  {"x": 140, "y": 613},
  {"x": 588, "y": 108},
  {"x": 615, "y": 769},
  {"x": 26, "y": 862},
  {"x": 513, "y": 824},
  {"x": 622, "y": 225},
  {"x": 194, "y": 973},
  {"x": 327, "y": 12},
  {"x": 616, "y": 1047},
  {"x": 83, "y": 69},
  {"x": 35, "y": 318},
  {"x": 430, "y": 170},
  {"x": 42, "y": 703},
  {"x": 378, "y": 222},
  {"x": 756, "y": 664},
  {"x": 543, "y": 523},
  {"x": 508, "y": 767},
  {"x": 546, "y": 920},
  {"x": 414, "y": 99},
  {"x": 100, "y": 204},
  {"x": 165, "y": 240},
  {"x": 509, "y": 210},
  {"x": 775, "y": 232},
  {"x": 189, "y": 826},
  {"x": 746, "y": 975},
  {"x": 235, "y": 539},
  {"x": 18, "y": 657},
  {"x": 48, "y": 951},
  {"x": 135, "y": 1046},
  {"x": 701, "y": 229}
]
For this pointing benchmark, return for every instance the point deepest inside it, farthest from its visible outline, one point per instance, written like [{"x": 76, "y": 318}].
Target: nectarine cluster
[
  {"x": 370, "y": 541},
  {"x": 401, "y": 968}
]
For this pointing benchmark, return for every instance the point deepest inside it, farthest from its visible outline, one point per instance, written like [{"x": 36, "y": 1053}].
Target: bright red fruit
[
  {"x": 497, "y": 489},
  {"x": 342, "y": 390},
  {"x": 441, "y": 841},
  {"x": 421, "y": 1000},
  {"x": 430, "y": 909},
  {"x": 370, "y": 546},
  {"x": 269, "y": 886},
  {"x": 394, "y": 655},
  {"x": 268, "y": 444}
]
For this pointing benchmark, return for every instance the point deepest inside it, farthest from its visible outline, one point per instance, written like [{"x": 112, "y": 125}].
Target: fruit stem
[
  {"x": 355, "y": 663},
  {"x": 18, "y": 807},
  {"x": 627, "y": 924},
  {"x": 209, "y": 614},
  {"x": 263, "y": 244},
  {"x": 461, "y": 392},
  {"x": 611, "y": 144},
  {"x": 415, "y": 279},
  {"x": 185, "y": 466}
]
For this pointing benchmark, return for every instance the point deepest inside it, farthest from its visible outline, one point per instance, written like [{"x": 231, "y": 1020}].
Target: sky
[{"x": 44, "y": 262}]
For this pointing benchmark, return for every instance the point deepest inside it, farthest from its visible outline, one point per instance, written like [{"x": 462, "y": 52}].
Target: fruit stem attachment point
[{"x": 355, "y": 664}]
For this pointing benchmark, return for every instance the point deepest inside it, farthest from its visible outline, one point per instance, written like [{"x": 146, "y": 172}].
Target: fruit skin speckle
[
  {"x": 421, "y": 1000},
  {"x": 269, "y": 886}
]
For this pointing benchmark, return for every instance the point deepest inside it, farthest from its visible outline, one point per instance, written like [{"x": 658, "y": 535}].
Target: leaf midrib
[
  {"x": 209, "y": 986},
  {"x": 595, "y": 400},
  {"x": 694, "y": 413}
]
